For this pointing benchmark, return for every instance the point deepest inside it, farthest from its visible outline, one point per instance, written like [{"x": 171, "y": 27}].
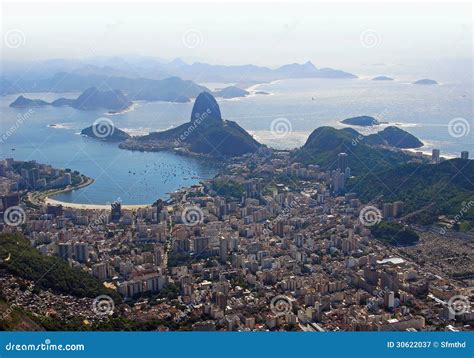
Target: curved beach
[
  {"x": 48, "y": 200},
  {"x": 44, "y": 198}
]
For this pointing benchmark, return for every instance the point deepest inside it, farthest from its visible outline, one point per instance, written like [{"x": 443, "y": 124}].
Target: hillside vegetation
[{"x": 48, "y": 272}]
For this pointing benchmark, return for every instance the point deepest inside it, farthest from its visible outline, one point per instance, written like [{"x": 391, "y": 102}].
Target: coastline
[
  {"x": 44, "y": 198},
  {"x": 130, "y": 108},
  {"x": 65, "y": 204}
]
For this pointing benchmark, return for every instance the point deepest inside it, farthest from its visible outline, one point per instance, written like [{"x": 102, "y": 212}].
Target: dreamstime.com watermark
[
  {"x": 192, "y": 215},
  {"x": 103, "y": 217},
  {"x": 11, "y": 308},
  {"x": 199, "y": 118},
  {"x": 459, "y": 305},
  {"x": 370, "y": 215},
  {"x": 281, "y": 305},
  {"x": 103, "y": 127},
  {"x": 363, "y": 132},
  {"x": 286, "y": 211},
  {"x": 14, "y": 38},
  {"x": 465, "y": 207},
  {"x": 45, "y": 346},
  {"x": 458, "y": 127},
  {"x": 192, "y": 38},
  {"x": 379, "y": 295},
  {"x": 280, "y": 128},
  {"x": 14, "y": 216},
  {"x": 370, "y": 38},
  {"x": 103, "y": 305},
  {"x": 20, "y": 119}
]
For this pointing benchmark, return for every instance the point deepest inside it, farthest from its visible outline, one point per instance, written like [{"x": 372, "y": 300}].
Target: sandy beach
[{"x": 91, "y": 206}]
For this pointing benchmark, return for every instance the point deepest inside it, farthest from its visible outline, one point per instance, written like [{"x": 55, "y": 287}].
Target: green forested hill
[
  {"x": 447, "y": 188},
  {"x": 325, "y": 143},
  {"x": 46, "y": 271}
]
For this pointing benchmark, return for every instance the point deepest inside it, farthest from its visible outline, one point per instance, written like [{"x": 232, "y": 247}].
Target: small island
[
  {"x": 382, "y": 78},
  {"x": 231, "y": 92},
  {"x": 361, "y": 121},
  {"x": 262, "y": 92},
  {"x": 425, "y": 81},
  {"x": 22, "y": 102},
  {"x": 105, "y": 132}
]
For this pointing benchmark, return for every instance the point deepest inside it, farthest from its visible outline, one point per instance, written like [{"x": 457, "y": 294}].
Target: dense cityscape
[
  {"x": 263, "y": 179},
  {"x": 268, "y": 244}
]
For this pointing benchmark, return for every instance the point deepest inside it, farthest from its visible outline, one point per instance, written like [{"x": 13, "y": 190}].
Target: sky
[{"x": 341, "y": 35}]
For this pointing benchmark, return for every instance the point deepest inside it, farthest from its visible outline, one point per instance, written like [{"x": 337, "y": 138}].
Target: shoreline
[
  {"x": 48, "y": 200},
  {"x": 130, "y": 108},
  {"x": 45, "y": 198},
  {"x": 66, "y": 204}
]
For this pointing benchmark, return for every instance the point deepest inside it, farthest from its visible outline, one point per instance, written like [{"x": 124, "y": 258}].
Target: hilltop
[
  {"x": 205, "y": 133},
  {"x": 90, "y": 99},
  {"x": 395, "y": 137},
  {"x": 22, "y": 102},
  {"x": 325, "y": 143},
  {"x": 383, "y": 172}
]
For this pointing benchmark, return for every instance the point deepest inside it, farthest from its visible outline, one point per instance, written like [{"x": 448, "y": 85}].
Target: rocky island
[
  {"x": 107, "y": 133},
  {"x": 231, "y": 92},
  {"x": 425, "y": 81},
  {"x": 382, "y": 78},
  {"x": 362, "y": 121},
  {"x": 22, "y": 102}
]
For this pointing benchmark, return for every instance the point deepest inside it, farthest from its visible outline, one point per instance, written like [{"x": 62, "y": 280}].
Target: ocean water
[
  {"x": 304, "y": 104},
  {"x": 132, "y": 177}
]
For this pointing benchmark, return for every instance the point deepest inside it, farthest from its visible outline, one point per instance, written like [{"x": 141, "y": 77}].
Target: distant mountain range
[
  {"x": 203, "y": 72},
  {"x": 90, "y": 99},
  {"x": 150, "y": 79},
  {"x": 172, "y": 89}
]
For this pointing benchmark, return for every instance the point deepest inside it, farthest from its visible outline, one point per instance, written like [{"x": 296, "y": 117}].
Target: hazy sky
[{"x": 329, "y": 34}]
